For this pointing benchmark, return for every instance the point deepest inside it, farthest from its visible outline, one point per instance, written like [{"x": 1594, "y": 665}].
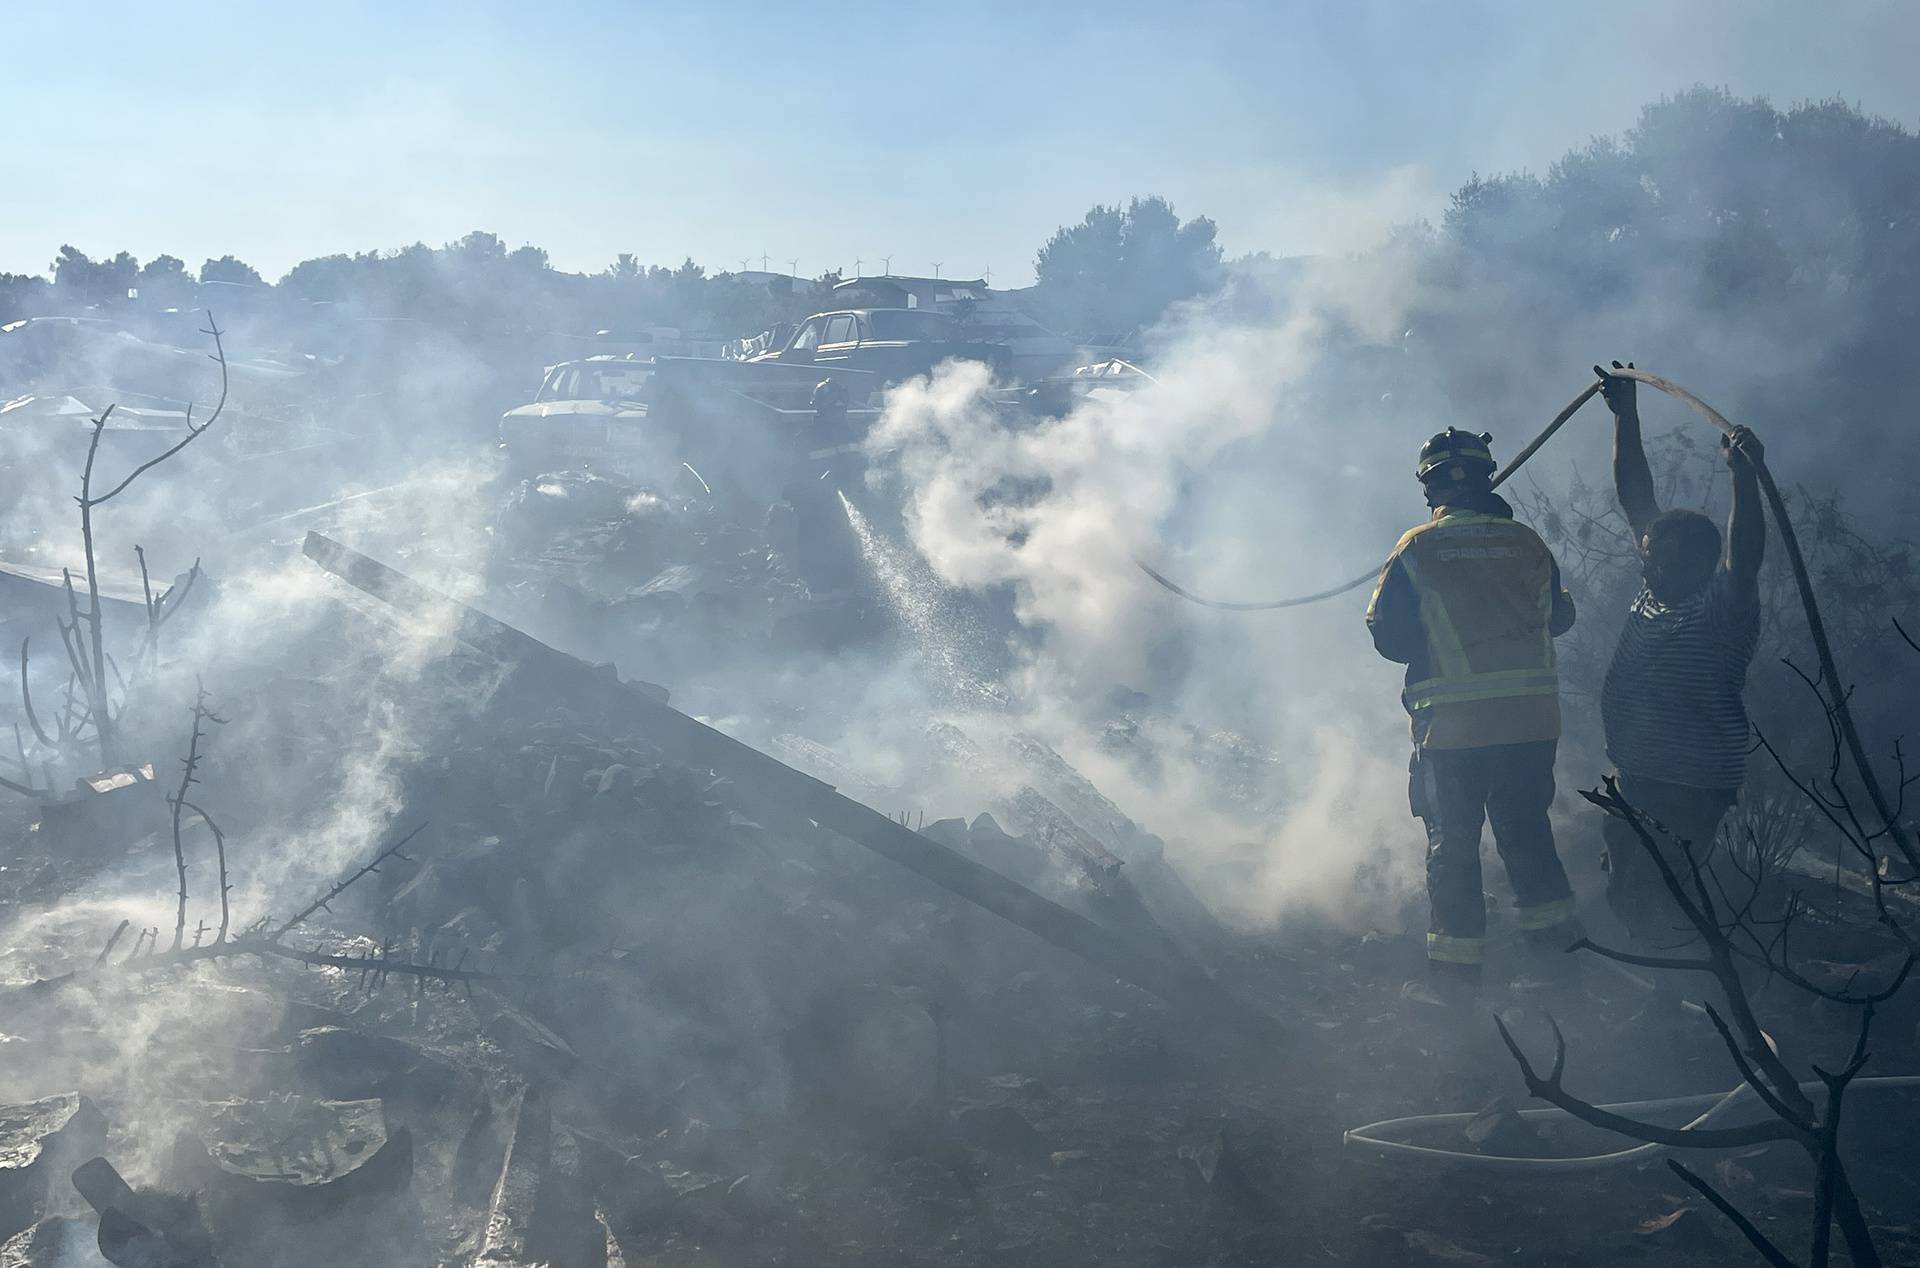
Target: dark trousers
[
  {"x": 1456, "y": 791},
  {"x": 1636, "y": 893}
]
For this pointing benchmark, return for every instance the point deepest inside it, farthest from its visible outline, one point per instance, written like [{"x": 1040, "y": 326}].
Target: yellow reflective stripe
[
  {"x": 1496, "y": 685},
  {"x": 1466, "y": 518},
  {"x": 1547, "y": 596},
  {"x": 1545, "y": 915},
  {"x": 1452, "y": 950},
  {"x": 1443, "y": 641}
]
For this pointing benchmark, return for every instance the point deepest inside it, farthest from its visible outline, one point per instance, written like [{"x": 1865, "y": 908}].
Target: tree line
[{"x": 1795, "y": 228}]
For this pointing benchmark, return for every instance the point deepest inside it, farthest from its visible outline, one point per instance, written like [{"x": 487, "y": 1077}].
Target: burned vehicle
[
  {"x": 588, "y": 412},
  {"x": 894, "y": 343},
  {"x": 663, "y": 421}
]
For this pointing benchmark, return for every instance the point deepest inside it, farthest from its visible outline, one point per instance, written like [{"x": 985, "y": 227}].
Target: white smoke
[{"x": 1231, "y": 448}]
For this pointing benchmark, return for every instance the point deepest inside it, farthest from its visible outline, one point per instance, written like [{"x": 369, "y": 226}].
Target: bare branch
[
  {"x": 391, "y": 851},
  {"x": 220, "y": 854},
  {"x": 1753, "y": 1080},
  {"x": 26, "y": 696},
  {"x": 146, "y": 586},
  {"x": 219, "y": 357},
  {"x": 1549, "y": 1089},
  {"x": 168, "y": 603},
  {"x": 1757, "y": 1239},
  {"x": 112, "y": 939},
  {"x": 189, "y": 765},
  {"x": 1675, "y": 963}
]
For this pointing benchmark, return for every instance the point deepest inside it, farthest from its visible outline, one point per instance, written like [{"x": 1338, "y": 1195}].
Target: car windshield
[
  {"x": 901, "y": 323},
  {"x": 597, "y": 381}
]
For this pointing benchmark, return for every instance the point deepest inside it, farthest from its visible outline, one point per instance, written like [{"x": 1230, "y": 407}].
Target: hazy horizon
[{"x": 737, "y": 130}]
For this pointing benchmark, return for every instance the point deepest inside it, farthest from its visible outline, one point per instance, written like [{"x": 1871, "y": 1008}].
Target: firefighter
[
  {"x": 809, "y": 523},
  {"x": 1470, "y": 602},
  {"x": 829, "y": 431}
]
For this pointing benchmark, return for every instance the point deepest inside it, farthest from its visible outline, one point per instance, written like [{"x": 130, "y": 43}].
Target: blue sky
[{"x": 959, "y": 133}]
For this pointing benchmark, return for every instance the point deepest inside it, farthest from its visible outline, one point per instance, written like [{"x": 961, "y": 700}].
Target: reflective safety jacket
[{"x": 1470, "y": 602}]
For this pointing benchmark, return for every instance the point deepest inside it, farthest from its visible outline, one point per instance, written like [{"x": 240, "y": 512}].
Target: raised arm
[
  {"x": 1746, "y": 522},
  {"x": 1632, "y": 477}
]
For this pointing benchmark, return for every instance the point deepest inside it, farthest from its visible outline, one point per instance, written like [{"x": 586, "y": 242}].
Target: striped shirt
[{"x": 1672, "y": 701}]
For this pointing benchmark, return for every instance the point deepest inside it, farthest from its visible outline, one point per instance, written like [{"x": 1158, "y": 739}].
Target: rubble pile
[{"x": 623, "y": 1074}]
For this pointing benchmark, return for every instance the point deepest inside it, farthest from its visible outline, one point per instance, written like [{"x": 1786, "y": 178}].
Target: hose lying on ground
[
  {"x": 1519, "y": 459},
  {"x": 1373, "y": 1136}
]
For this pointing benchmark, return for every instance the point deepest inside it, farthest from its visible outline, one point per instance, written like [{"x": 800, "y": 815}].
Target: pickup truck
[{"x": 893, "y": 343}]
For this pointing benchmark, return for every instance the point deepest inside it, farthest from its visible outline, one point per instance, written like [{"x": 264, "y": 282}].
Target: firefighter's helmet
[{"x": 1456, "y": 455}]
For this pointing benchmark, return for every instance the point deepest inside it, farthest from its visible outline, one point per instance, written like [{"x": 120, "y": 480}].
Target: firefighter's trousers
[{"x": 1455, "y": 791}]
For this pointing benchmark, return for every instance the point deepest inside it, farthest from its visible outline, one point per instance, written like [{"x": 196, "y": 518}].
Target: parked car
[{"x": 893, "y": 343}]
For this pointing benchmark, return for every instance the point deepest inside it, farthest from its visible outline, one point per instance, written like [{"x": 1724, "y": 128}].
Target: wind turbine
[
  {"x": 936, "y": 268},
  {"x": 886, "y": 265}
]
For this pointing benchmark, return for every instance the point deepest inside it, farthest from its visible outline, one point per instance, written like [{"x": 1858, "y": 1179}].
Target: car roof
[
  {"x": 602, "y": 358},
  {"x": 846, "y": 312}
]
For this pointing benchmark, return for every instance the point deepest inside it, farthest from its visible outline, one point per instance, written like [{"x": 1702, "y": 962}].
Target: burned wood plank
[
  {"x": 699, "y": 745},
  {"x": 142, "y": 1229},
  {"x": 509, "y": 1238}
]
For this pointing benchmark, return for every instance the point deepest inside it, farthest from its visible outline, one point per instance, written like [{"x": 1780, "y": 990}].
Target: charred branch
[
  {"x": 190, "y": 765},
  {"x": 1548, "y": 1087},
  {"x": 374, "y": 966},
  {"x": 1755, "y": 1238},
  {"x": 159, "y": 609},
  {"x": 219, "y": 357},
  {"x": 95, "y": 675},
  {"x": 339, "y": 888},
  {"x": 220, "y": 856},
  {"x": 26, "y": 697},
  {"x": 112, "y": 940}
]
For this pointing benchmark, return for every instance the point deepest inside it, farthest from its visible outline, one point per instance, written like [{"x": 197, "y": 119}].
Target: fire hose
[
  {"x": 1519, "y": 459},
  {"x": 1377, "y": 1137}
]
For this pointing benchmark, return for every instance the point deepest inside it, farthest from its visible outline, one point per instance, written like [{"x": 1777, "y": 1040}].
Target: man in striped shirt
[{"x": 1676, "y": 723}]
